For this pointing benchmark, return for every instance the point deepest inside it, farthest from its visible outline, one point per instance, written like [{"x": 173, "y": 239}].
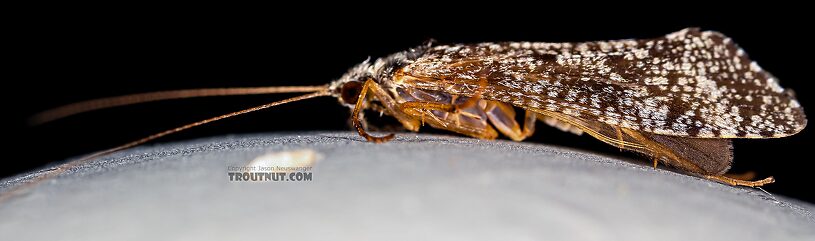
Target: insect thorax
[{"x": 381, "y": 71}]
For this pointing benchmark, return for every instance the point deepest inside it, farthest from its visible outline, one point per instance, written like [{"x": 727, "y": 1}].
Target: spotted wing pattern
[{"x": 688, "y": 83}]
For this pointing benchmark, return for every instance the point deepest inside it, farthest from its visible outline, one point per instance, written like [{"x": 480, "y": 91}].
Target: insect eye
[{"x": 350, "y": 92}]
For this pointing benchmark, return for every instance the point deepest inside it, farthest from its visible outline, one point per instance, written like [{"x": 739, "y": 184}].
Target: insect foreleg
[
  {"x": 356, "y": 116},
  {"x": 392, "y": 107}
]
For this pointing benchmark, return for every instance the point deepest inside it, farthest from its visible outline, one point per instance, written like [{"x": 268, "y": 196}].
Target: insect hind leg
[
  {"x": 738, "y": 182},
  {"x": 707, "y": 162}
]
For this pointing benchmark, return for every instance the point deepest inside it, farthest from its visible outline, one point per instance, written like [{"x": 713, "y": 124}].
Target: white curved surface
[{"x": 416, "y": 187}]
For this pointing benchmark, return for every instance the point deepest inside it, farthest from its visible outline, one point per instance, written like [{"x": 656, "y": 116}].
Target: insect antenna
[
  {"x": 67, "y": 166},
  {"x": 103, "y": 103}
]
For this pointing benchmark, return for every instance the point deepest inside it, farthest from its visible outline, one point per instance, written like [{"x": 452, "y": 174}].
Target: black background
[{"x": 63, "y": 58}]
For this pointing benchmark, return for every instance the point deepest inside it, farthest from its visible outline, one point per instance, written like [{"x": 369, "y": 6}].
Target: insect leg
[
  {"x": 739, "y": 182},
  {"x": 472, "y": 101},
  {"x": 707, "y": 158},
  {"x": 597, "y": 130},
  {"x": 707, "y": 165},
  {"x": 356, "y": 116},
  {"x": 560, "y": 124},
  {"x": 393, "y": 108},
  {"x": 411, "y": 106},
  {"x": 656, "y": 160},
  {"x": 422, "y": 109},
  {"x": 529, "y": 123},
  {"x": 502, "y": 116},
  {"x": 622, "y": 143},
  {"x": 471, "y": 121},
  {"x": 659, "y": 150}
]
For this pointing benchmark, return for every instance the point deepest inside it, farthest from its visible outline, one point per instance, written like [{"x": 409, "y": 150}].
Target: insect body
[{"x": 679, "y": 98}]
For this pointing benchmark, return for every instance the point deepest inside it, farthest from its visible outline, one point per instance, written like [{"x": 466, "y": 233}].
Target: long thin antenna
[
  {"x": 96, "y": 104},
  {"x": 64, "y": 167}
]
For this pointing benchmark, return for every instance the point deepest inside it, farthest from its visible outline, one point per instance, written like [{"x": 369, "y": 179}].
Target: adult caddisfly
[{"x": 679, "y": 98}]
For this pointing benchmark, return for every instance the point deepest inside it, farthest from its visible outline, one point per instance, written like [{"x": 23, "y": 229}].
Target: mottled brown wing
[{"x": 688, "y": 83}]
